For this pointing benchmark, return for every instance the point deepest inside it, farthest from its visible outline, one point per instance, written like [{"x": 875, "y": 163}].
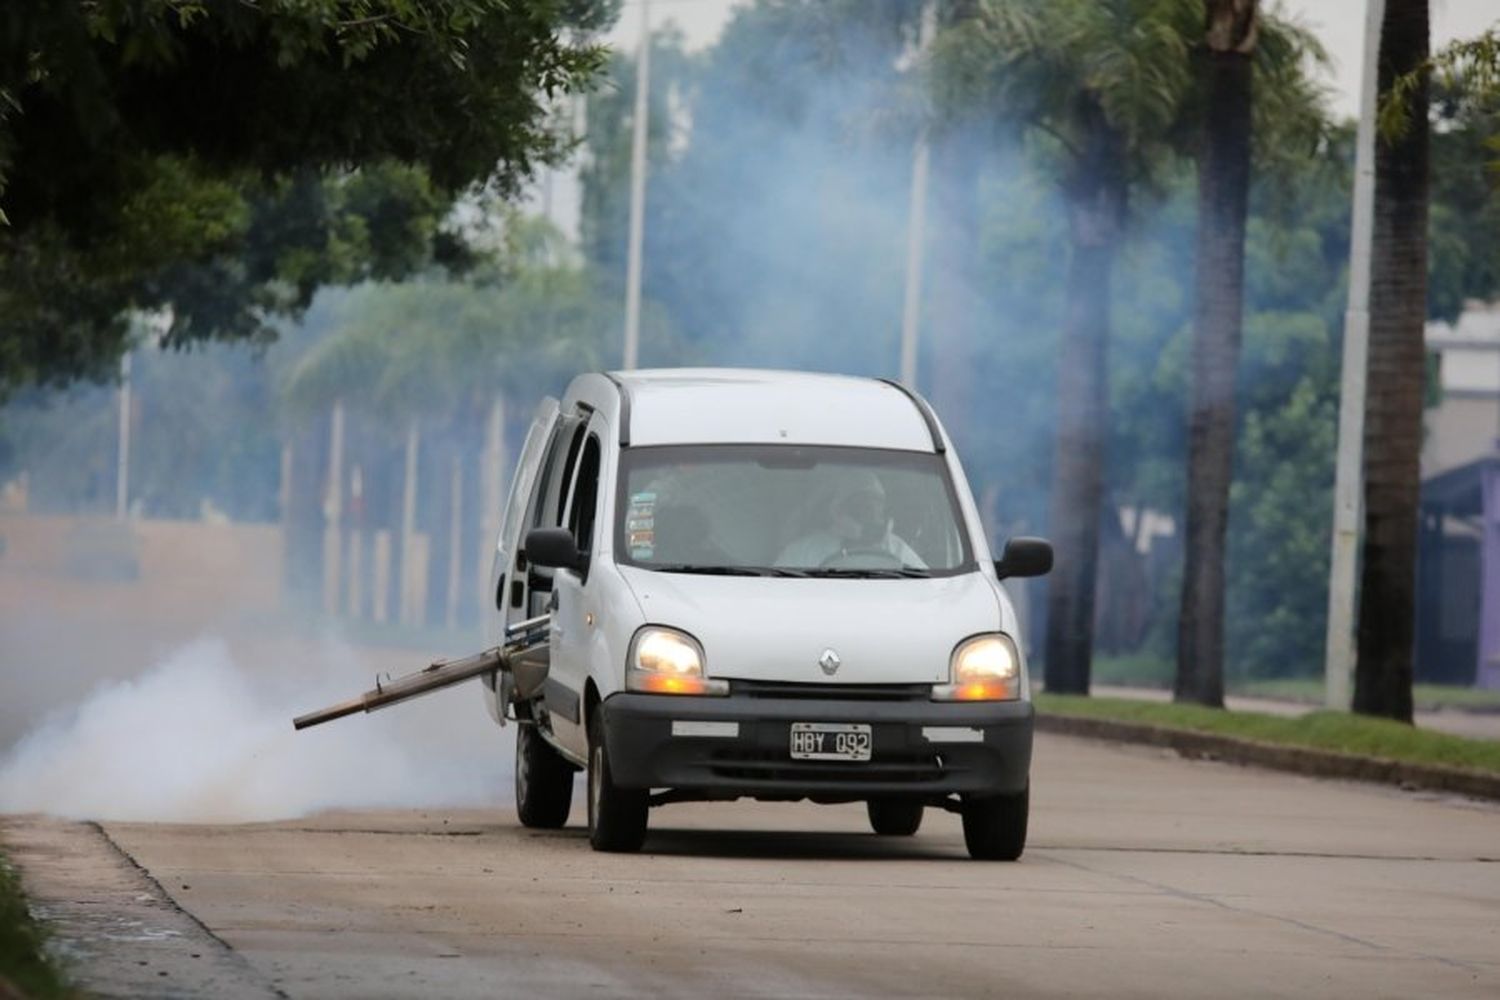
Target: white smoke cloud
[{"x": 202, "y": 738}]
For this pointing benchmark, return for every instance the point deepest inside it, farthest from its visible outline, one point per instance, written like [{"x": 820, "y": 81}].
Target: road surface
[{"x": 1147, "y": 875}]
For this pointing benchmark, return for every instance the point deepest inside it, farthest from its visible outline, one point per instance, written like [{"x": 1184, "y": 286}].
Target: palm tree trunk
[
  {"x": 1393, "y": 406},
  {"x": 1223, "y": 188},
  {"x": 1095, "y": 195}
]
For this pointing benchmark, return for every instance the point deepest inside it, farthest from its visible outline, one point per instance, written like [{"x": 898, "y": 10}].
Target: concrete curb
[
  {"x": 1299, "y": 760},
  {"x": 116, "y": 929}
]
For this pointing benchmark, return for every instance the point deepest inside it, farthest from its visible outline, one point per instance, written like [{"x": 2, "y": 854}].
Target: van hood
[{"x": 898, "y": 631}]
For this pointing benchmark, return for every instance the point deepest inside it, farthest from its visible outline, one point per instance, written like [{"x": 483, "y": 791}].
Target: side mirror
[
  {"x": 553, "y": 548},
  {"x": 1025, "y": 557}
]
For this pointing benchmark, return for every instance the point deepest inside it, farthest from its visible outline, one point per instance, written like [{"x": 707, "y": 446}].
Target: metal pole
[
  {"x": 638, "y": 191},
  {"x": 1347, "y": 499},
  {"x": 408, "y": 612},
  {"x": 455, "y": 538},
  {"x": 122, "y": 454},
  {"x": 333, "y": 512},
  {"x": 492, "y": 496},
  {"x": 916, "y": 229},
  {"x": 356, "y": 557}
]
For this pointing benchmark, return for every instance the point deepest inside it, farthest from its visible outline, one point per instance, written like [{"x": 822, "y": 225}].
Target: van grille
[
  {"x": 837, "y": 692},
  {"x": 771, "y": 767}
]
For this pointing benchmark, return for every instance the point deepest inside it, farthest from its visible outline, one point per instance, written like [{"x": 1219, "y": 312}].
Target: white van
[{"x": 762, "y": 584}]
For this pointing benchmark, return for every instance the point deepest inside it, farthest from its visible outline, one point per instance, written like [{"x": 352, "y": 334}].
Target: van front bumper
[{"x": 741, "y": 746}]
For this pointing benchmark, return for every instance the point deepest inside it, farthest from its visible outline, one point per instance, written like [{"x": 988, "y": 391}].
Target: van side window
[
  {"x": 585, "y": 506},
  {"x": 550, "y": 493},
  {"x": 569, "y": 465},
  {"x": 552, "y": 482}
]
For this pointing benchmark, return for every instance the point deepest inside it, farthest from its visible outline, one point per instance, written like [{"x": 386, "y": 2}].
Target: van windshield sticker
[{"x": 640, "y": 525}]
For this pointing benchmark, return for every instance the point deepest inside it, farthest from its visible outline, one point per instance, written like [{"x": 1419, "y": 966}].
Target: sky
[{"x": 1338, "y": 23}]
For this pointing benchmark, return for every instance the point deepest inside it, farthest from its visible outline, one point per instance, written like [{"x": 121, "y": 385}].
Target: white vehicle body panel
[
  {"x": 770, "y": 629},
  {"x": 752, "y": 628},
  {"x": 729, "y": 406}
]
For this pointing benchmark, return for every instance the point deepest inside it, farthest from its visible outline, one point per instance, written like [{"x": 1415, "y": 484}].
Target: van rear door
[{"x": 509, "y": 584}]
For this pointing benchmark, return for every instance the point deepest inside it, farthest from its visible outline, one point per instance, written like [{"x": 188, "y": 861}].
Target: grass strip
[
  {"x": 1145, "y": 670},
  {"x": 1426, "y": 697},
  {"x": 1338, "y": 731},
  {"x": 24, "y": 966}
]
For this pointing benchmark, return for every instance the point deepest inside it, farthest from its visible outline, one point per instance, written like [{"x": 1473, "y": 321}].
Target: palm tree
[
  {"x": 1107, "y": 88},
  {"x": 1396, "y": 380},
  {"x": 1225, "y": 75},
  {"x": 1241, "y": 55},
  {"x": 1098, "y": 85}
]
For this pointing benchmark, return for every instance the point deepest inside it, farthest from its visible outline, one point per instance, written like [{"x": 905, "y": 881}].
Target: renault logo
[{"x": 830, "y": 662}]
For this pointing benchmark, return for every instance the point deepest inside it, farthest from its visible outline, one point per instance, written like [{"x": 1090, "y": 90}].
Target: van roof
[{"x": 751, "y": 406}]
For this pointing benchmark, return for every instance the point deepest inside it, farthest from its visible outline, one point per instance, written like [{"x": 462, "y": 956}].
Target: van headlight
[
  {"x": 982, "y": 668},
  {"x": 668, "y": 661}
]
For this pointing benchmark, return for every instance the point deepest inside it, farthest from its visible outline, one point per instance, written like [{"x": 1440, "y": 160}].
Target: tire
[
  {"x": 894, "y": 817},
  {"x": 995, "y": 826},
  {"x": 544, "y": 781},
  {"x": 617, "y": 816}
]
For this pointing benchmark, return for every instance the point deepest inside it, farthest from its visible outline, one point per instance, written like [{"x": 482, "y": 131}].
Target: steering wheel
[{"x": 861, "y": 559}]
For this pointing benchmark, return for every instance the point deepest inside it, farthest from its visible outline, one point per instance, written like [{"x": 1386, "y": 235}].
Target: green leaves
[
  {"x": 1040, "y": 64},
  {"x": 229, "y": 255},
  {"x": 151, "y": 152},
  {"x": 1469, "y": 67},
  {"x": 432, "y": 348},
  {"x": 1464, "y": 224}
]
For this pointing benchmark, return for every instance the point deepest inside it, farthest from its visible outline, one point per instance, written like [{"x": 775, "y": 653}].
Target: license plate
[{"x": 830, "y": 741}]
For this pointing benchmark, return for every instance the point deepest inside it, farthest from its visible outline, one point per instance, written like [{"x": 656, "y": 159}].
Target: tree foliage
[
  {"x": 1464, "y": 228},
  {"x": 1466, "y": 70},
  {"x": 777, "y": 214},
  {"x": 209, "y": 424},
  {"x": 774, "y": 224},
  {"x": 1107, "y": 97},
  {"x": 1042, "y": 65},
  {"x": 93, "y": 89},
  {"x": 222, "y": 160},
  {"x": 438, "y": 349}
]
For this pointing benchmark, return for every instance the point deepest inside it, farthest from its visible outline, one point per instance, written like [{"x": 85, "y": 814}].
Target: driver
[{"x": 858, "y": 523}]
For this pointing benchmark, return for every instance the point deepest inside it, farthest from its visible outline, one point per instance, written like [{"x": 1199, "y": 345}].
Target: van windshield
[{"x": 783, "y": 510}]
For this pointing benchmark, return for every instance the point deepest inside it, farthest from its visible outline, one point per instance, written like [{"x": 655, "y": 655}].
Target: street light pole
[
  {"x": 638, "y": 192},
  {"x": 122, "y": 453},
  {"x": 916, "y": 229},
  {"x": 1339, "y": 647}
]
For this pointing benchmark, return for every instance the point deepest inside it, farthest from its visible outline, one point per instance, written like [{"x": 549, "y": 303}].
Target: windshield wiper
[
  {"x": 704, "y": 570},
  {"x": 905, "y": 573}
]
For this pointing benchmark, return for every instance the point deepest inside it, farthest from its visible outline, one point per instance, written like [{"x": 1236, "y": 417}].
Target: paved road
[{"x": 1147, "y": 875}]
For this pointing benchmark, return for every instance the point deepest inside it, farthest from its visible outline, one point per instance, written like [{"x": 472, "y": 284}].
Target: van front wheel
[
  {"x": 995, "y": 826},
  {"x": 617, "y": 816},
  {"x": 544, "y": 781}
]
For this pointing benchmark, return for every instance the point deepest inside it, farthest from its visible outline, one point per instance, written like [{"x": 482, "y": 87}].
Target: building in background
[{"x": 1458, "y": 573}]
